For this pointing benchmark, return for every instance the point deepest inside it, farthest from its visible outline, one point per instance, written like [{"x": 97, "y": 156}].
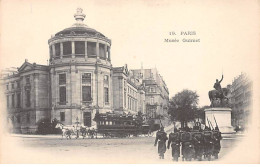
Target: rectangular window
[
  {"x": 12, "y": 85},
  {"x": 63, "y": 94},
  {"x": 18, "y": 84},
  {"x": 28, "y": 98},
  {"x": 62, "y": 116},
  {"x": 86, "y": 93},
  {"x": 27, "y": 80},
  {"x": 91, "y": 47},
  {"x": 18, "y": 100},
  {"x": 57, "y": 49},
  {"x": 67, "y": 48},
  {"x": 86, "y": 78},
  {"x": 12, "y": 100},
  {"x": 7, "y": 87},
  {"x": 152, "y": 101},
  {"x": 106, "y": 95},
  {"x": 102, "y": 52},
  {"x": 62, "y": 79},
  {"x": 79, "y": 47}
]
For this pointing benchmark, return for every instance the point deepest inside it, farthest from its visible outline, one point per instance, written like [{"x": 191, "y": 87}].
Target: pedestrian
[{"x": 161, "y": 136}]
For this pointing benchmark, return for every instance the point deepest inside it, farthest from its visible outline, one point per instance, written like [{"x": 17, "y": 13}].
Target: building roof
[{"x": 79, "y": 28}]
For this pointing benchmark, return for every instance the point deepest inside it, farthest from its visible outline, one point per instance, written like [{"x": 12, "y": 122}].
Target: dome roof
[{"x": 79, "y": 28}]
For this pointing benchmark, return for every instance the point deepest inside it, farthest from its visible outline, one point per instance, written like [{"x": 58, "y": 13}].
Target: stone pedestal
[{"x": 222, "y": 116}]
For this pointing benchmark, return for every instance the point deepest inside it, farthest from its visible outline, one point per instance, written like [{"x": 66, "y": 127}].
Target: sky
[{"x": 228, "y": 33}]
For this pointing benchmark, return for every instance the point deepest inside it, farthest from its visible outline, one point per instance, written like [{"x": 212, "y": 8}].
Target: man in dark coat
[
  {"x": 217, "y": 137},
  {"x": 174, "y": 141},
  {"x": 162, "y": 137}
]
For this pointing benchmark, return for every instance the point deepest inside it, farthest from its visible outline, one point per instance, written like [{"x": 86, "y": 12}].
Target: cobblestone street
[{"x": 115, "y": 150}]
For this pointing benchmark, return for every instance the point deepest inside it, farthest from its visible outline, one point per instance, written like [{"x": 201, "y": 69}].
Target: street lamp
[{"x": 77, "y": 119}]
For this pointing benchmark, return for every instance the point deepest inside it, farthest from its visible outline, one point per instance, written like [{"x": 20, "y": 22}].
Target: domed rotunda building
[
  {"x": 79, "y": 82},
  {"x": 80, "y": 73}
]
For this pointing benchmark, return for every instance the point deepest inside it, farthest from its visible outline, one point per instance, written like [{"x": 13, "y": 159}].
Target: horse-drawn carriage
[
  {"x": 108, "y": 125},
  {"x": 115, "y": 125}
]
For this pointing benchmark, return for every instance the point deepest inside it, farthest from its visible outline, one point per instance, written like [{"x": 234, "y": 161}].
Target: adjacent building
[
  {"x": 80, "y": 82},
  {"x": 241, "y": 99},
  {"x": 27, "y": 93},
  {"x": 128, "y": 92},
  {"x": 156, "y": 95}
]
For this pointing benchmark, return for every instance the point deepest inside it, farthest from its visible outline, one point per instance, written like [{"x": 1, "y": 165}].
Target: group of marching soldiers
[{"x": 190, "y": 143}]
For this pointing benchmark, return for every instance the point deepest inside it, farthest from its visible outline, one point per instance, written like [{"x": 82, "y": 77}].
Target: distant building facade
[
  {"x": 128, "y": 92},
  {"x": 78, "y": 83},
  {"x": 156, "y": 95},
  {"x": 241, "y": 100}
]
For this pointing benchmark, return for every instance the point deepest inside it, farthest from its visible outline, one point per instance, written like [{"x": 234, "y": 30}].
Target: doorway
[{"x": 87, "y": 119}]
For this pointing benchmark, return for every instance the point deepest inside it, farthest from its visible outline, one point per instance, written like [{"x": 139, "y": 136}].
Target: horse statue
[{"x": 219, "y": 98}]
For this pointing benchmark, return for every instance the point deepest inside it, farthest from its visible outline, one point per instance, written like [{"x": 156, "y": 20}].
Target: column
[
  {"x": 61, "y": 50},
  {"x": 106, "y": 52},
  {"x": 53, "y": 51},
  {"x": 73, "y": 49},
  {"x": 97, "y": 49},
  {"x": 109, "y": 54},
  {"x": 86, "y": 49}
]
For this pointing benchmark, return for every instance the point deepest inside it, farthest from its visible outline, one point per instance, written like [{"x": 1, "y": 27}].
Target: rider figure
[{"x": 217, "y": 85}]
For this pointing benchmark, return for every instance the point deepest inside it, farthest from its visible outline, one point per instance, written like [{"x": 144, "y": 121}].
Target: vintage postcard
[{"x": 130, "y": 82}]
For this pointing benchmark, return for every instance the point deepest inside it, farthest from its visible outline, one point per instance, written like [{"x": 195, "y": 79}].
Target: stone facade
[
  {"x": 241, "y": 100},
  {"x": 27, "y": 97},
  {"x": 78, "y": 83},
  {"x": 128, "y": 92},
  {"x": 156, "y": 95},
  {"x": 80, "y": 71}
]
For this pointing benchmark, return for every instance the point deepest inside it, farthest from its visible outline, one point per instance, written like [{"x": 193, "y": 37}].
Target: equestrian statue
[{"x": 219, "y": 97}]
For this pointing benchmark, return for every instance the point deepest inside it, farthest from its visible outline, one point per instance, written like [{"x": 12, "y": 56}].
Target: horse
[
  {"x": 92, "y": 132},
  {"x": 83, "y": 131},
  {"x": 65, "y": 131},
  {"x": 215, "y": 94}
]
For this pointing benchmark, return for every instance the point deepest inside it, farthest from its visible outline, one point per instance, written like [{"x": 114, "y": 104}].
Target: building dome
[
  {"x": 79, "y": 41},
  {"x": 79, "y": 28}
]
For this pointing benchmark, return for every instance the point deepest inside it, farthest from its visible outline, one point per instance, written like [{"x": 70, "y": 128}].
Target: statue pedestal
[{"x": 222, "y": 116}]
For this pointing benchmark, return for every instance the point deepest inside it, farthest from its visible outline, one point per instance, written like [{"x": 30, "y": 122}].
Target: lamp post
[{"x": 77, "y": 131}]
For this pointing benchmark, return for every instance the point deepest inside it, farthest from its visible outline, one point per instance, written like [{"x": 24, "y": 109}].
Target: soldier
[
  {"x": 216, "y": 141},
  {"x": 188, "y": 151},
  {"x": 174, "y": 138},
  {"x": 162, "y": 137},
  {"x": 198, "y": 145},
  {"x": 208, "y": 144}
]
